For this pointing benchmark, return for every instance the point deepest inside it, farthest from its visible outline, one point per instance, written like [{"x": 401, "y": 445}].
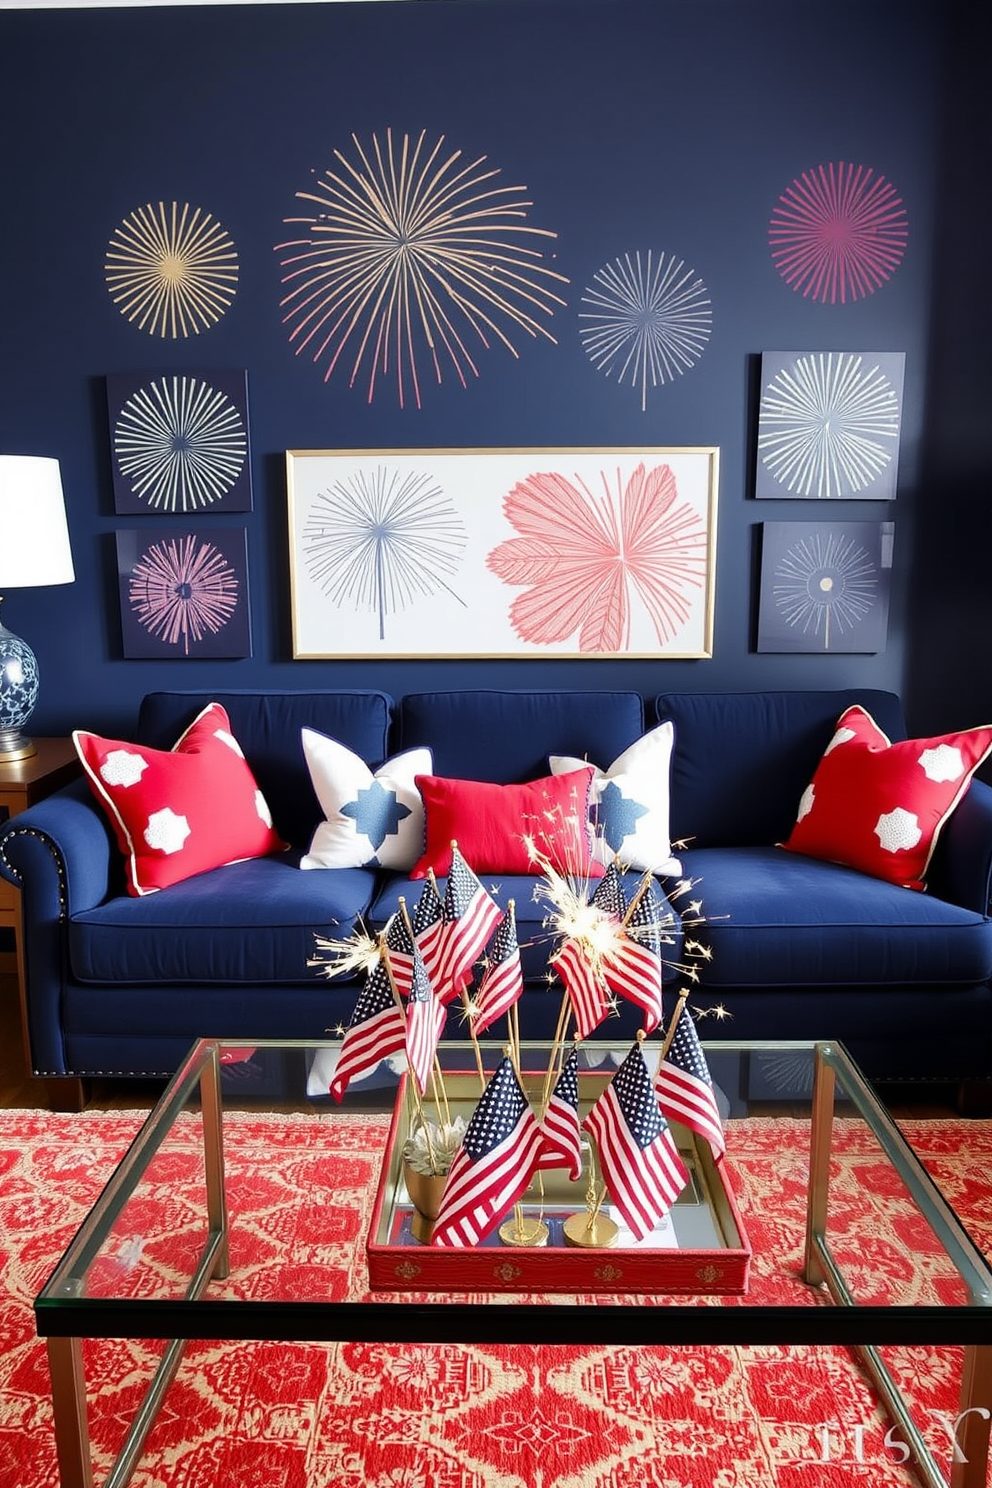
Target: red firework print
[
  {"x": 579, "y": 554},
  {"x": 838, "y": 233}
]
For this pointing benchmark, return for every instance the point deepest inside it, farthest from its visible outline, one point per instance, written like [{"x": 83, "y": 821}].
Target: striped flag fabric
[
  {"x": 637, "y": 1154},
  {"x": 561, "y": 1135},
  {"x": 494, "y": 1164},
  {"x": 428, "y": 926},
  {"x": 502, "y": 981},
  {"x": 377, "y": 1029},
  {"x": 470, "y": 917},
  {"x": 684, "y": 1086},
  {"x": 633, "y": 967},
  {"x": 587, "y": 993},
  {"x": 401, "y": 949},
  {"x": 425, "y": 1017}
]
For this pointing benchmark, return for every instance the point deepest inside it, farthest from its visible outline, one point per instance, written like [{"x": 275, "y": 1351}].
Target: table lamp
[{"x": 34, "y": 549}]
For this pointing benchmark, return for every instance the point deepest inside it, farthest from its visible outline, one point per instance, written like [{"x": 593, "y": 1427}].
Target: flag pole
[{"x": 384, "y": 954}]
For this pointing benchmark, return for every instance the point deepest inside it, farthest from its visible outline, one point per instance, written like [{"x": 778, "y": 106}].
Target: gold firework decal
[
  {"x": 171, "y": 269},
  {"x": 411, "y": 256}
]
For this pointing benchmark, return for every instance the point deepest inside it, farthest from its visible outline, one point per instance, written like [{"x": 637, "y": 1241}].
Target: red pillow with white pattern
[
  {"x": 179, "y": 811},
  {"x": 878, "y": 806}
]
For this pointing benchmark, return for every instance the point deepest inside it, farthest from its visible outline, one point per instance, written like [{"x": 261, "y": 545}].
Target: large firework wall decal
[
  {"x": 179, "y": 442},
  {"x": 838, "y": 232},
  {"x": 828, "y": 424},
  {"x": 824, "y": 586},
  {"x": 406, "y": 260},
  {"x": 502, "y": 552},
  {"x": 171, "y": 269},
  {"x": 648, "y": 320},
  {"x": 184, "y": 594}
]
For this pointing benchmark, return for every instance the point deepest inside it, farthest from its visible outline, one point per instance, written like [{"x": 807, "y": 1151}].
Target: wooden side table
[{"x": 22, "y": 783}]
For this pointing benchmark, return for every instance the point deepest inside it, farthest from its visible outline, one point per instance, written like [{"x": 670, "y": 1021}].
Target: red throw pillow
[
  {"x": 879, "y": 807},
  {"x": 493, "y": 825},
  {"x": 180, "y": 811}
]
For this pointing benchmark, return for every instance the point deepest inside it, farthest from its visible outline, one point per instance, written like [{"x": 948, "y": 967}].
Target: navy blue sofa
[{"x": 120, "y": 986}]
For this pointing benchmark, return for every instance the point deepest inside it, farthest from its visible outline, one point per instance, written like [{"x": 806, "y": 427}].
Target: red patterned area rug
[{"x": 363, "y": 1416}]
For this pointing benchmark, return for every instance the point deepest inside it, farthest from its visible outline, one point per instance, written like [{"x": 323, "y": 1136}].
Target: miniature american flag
[
  {"x": 633, "y": 967},
  {"x": 609, "y": 893},
  {"x": 560, "y": 1131},
  {"x": 637, "y": 1152},
  {"x": 428, "y": 926},
  {"x": 503, "y": 980},
  {"x": 684, "y": 1087},
  {"x": 377, "y": 1029},
  {"x": 470, "y": 917},
  {"x": 425, "y": 1017},
  {"x": 400, "y": 949},
  {"x": 493, "y": 1166},
  {"x": 589, "y": 997}
]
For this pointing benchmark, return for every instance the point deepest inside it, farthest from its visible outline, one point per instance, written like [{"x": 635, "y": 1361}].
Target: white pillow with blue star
[
  {"x": 371, "y": 819},
  {"x": 629, "y": 803}
]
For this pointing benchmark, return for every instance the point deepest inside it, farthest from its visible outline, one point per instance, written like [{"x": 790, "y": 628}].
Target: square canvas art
[
  {"x": 824, "y": 586},
  {"x": 184, "y": 594}
]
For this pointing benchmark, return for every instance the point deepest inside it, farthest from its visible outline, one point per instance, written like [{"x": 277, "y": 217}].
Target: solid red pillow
[
  {"x": 180, "y": 811},
  {"x": 492, "y": 824},
  {"x": 878, "y": 806}
]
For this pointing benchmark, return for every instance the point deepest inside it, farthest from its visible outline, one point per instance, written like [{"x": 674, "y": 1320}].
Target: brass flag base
[
  {"x": 591, "y": 1232},
  {"x": 524, "y": 1232}
]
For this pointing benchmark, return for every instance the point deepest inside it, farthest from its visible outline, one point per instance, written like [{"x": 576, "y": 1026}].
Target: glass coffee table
[{"x": 91, "y": 1296}]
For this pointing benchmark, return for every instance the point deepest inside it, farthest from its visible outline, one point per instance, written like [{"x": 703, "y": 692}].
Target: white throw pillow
[
  {"x": 629, "y": 803},
  {"x": 372, "y": 820}
]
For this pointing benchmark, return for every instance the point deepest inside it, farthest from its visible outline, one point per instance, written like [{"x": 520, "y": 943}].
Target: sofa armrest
[
  {"x": 62, "y": 857},
  {"x": 961, "y": 868}
]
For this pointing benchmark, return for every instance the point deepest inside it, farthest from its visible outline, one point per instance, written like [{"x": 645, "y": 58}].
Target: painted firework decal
[
  {"x": 171, "y": 269},
  {"x": 828, "y": 424},
  {"x": 184, "y": 594},
  {"x": 180, "y": 442},
  {"x": 838, "y": 232},
  {"x": 527, "y": 552},
  {"x": 376, "y": 541},
  {"x": 407, "y": 260},
  {"x": 825, "y": 586},
  {"x": 649, "y": 320}
]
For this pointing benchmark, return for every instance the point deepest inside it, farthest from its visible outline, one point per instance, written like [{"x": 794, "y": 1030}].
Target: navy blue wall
[{"x": 672, "y": 126}]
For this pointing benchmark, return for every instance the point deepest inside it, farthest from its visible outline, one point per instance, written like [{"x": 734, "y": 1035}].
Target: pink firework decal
[
  {"x": 838, "y": 233},
  {"x": 183, "y": 590},
  {"x": 579, "y": 554}
]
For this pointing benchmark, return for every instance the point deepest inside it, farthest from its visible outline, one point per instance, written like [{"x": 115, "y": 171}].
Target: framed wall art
[
  {"x": 503, "y": 552},
  {"x": 824, "y": 586},
  {"x": 179, "y": 442},
  {"x": 828, "y": 425},
  {"x": 184, "y": 593}
]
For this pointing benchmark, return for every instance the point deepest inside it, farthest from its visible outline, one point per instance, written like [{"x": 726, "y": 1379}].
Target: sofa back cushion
[
  {"x": 507, "y": 737},
  {"x": 743, "y": 759},
  {"x": 268, "y": 727}
]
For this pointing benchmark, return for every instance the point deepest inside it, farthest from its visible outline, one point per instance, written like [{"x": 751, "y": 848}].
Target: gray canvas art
[{"x": 824, "y": 586}]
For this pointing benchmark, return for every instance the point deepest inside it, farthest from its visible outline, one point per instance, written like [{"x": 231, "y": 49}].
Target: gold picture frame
[{"x": 577, "y": 552}]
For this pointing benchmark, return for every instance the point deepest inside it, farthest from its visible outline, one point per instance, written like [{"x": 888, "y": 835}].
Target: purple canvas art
[{"x": 184, "y": 594}]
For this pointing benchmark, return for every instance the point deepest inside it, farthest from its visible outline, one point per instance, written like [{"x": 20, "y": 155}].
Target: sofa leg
[
  {"x": 67, "y": 1095},
  {"x": 975, "y": 1098}
]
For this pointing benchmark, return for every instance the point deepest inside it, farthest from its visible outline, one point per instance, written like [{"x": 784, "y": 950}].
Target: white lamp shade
[{"x": 34, "y": 537}]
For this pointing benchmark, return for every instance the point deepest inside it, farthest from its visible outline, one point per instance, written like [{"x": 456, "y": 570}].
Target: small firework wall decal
[
  {"x": 824, "y": 586},
  {"x": 649, "y": 320},
  {"x": 184, "y": 594},
  {"x": 828, "y": 424},
  {"x": 171, "y": 269},
  {"x": 524, "y": 552},
  {"x": 408, "y": 260},
  {"x": 179, "y": 442},
  {"x": 839, "y": 232},
  {"x": 376, "y": 541}
]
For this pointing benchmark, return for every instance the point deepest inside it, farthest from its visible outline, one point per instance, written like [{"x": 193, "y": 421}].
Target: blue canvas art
[
  {"x": 825, "y": 586},
  {"x": 184, "y": 594}
]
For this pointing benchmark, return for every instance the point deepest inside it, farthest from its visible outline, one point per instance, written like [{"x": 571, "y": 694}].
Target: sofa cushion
[
  {"x": 629, "y": 803},
  {"x": 508, "y": 736},
  {"x": 247, "y": 922},
  {"x": 372, "y": 819},
  {"x": 267, "y": 725},
  {"x": 502, "y": 828},
  {"x": 180, "y": 811},
  {"x": 776, "y": 919},
  {"x": 742, "y": 760},
  {"x": 880, "y": 807}
]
